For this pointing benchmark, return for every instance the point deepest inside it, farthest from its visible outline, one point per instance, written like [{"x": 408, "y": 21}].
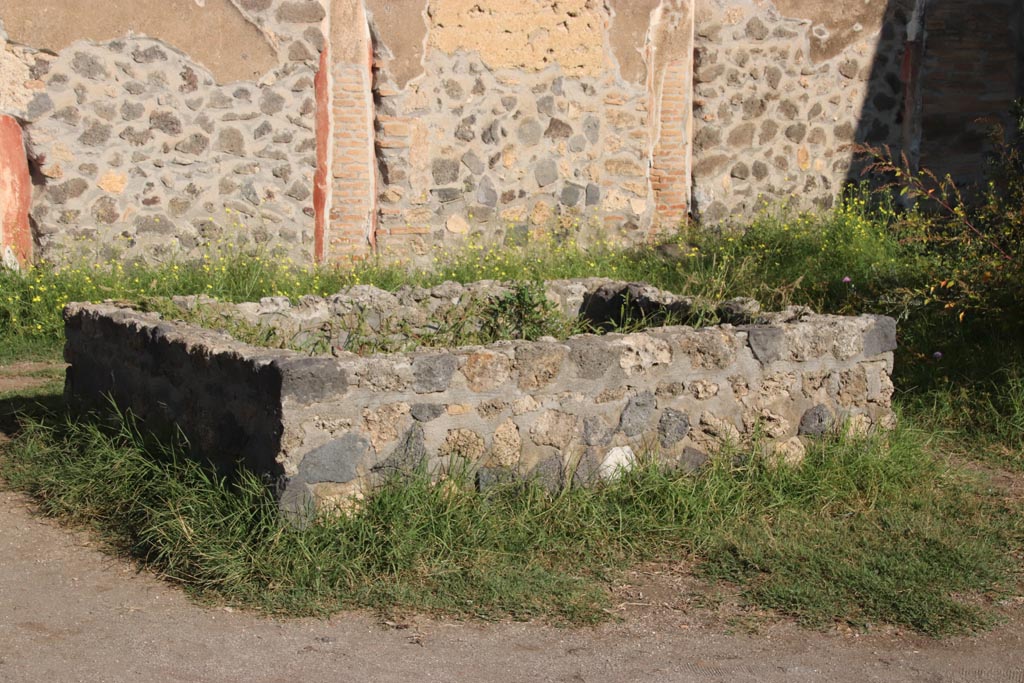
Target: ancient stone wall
[
  {"x": 328, "y": 130},
  {"x": 567, "y": 413},
  {"x": 519, "y": 118},
  {"x": 142, "y": 152},
  {"x": 778, "y": 99}
]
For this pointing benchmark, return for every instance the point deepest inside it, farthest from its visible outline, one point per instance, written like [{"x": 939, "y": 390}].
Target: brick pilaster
[{"x": 670, "y": 172}]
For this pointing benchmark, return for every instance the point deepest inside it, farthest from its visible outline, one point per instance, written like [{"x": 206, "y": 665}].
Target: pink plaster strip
[
  {"x": 15, "y": 191},
  {"x": 323, "y": 154}
]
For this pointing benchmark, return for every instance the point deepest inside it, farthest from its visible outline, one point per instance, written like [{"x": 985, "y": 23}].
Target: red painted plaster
[
  {"x": 15, "y": 191},
  {"x": 323, "y": 156}
]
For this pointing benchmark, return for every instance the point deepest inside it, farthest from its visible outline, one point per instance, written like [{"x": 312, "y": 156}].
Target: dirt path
[{"x": 70, "y": 613}]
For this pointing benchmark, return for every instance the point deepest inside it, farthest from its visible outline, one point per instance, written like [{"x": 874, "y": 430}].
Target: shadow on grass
[{"x": 44, "y": 404}]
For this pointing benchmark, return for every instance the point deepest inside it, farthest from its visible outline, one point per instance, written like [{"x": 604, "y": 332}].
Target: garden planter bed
[{"x": 325, "y": 428}]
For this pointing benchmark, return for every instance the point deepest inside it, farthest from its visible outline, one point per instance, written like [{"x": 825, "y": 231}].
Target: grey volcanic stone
[
  {"x": 465, "y": 130},
  {"x": 104, "y": 210},
  {"x": 849, "y": 68},
  {"x": 530, "y": 131},
  {"x": 165, "y": 122},
  {"x": 426, "y": 412},
  {"x": 136, "y": 137},
  {"x": 796, "y": 132},
  {"x": 738, "y": 311},
  {"x": 39, "y": 105},
  {"x": 596, "y": 431},
  {"x": 453, "y": 89},
  {"x": 444, "y": 171},
  {"x": 486, "y": 194},
  {"x": 756, "y": 29},
  {"x": 297, "y": 501},
  {"x": 96, "y": 134},
  {"x": 880, "y": 337},
  {"x": 546, "y": 172},
  {"x": 592, "y": 129},
  {"x": 433, "y": 373},
  {"x": 151, "y": 54},
  {"x": 571, "y": 194},
  {"x": 446, "y": 194},
  {"x": 489, "y": 477},
  {"x": 308, "y": 380},
  {"x": 298, "y": 52},
  {"x": 230, "y": 141},
  {"x": 250, "y": 194},
  {"x": 592, "y": 357},
  {"x": 408, "y": 455},
  {"x": 60, "y": 194},
  {"x": 753, "y": 107},
  {"x": 69, "y": 115},
  {"x": 742, "y": 135},
  {"x": 546, "y": 105},
  {"x": 86, "y": 65},
  {"x": 558, "y": 130},
  {"x": 672, "y": 427},
  {"x": 593, "y": 194},
  {"x": 766, "y": 343},
  {"x": 636, "y": 413},
  {"x": 155, "y": 224},
  {"x": 271, "y": 103},
  {"x": 816, "y": 421},
  {"x": 550, "y": 473},
  {"x": 492, "y": 133},
  {"x": 131, "y": 111},
  {"x": 219, "y": 100},
  {"x": 255, "y": 5},
  {"x": 692, "y": 460},
  {"x": 788, "y": 109},
  {"x": 473, "y": 162},
  {"x": 301, "y": 12},
  {"x": 707, "y": 137},
  {"x": 298, "y": 191},
  {"x": 335, "y": 461},
  {"x": 769, "y": 129}
]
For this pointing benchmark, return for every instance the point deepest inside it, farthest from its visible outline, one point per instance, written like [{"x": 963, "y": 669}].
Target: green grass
[
  {"x": 780, "y": 260},
  {"x": 866, "y": 531}
]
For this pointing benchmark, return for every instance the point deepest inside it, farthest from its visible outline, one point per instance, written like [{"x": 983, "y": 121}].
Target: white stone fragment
[{"x": 618, "y": 460}]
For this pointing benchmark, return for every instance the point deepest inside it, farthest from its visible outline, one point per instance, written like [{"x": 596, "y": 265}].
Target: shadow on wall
[{"x": 957, "y": 67}]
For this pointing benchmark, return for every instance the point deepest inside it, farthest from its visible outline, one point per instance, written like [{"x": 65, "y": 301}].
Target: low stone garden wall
[{"x": 326, "y": 428}]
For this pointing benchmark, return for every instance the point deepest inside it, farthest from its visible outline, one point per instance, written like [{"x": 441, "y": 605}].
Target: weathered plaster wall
[
  {"x": 528, "y": 35},
  {"x": 525, "y": 117},
  {"x": 404, "y": 22},
  {"x": 214, "y": 33}
]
